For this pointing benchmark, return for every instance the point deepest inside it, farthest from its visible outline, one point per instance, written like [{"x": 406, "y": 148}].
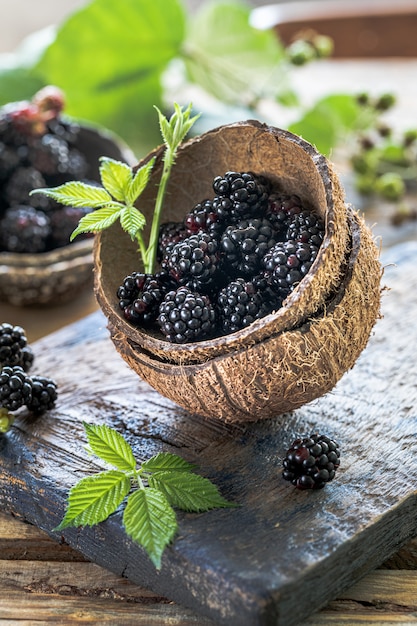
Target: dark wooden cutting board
[{"x": 283, "y": 553}]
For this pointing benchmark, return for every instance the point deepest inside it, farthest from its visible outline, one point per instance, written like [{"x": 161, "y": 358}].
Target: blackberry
[
  {"x": 281, "y": 208},
  {"x": 193, "y": 262},
  {"x": 240, "y": 195},
  {"x": 9, "y": 160},
  {"x": 141, "y": 294},
  {"x": 204, "y": 218},
  {"x": 287, "y": 263},
  {"x": 24, "y": 229},
  {"x": 170, "y": 233},
  {"x": 242, "y": 302},
  {"x": 63, "y": 221},
  {"x": 44, "y": 395},
  {"x": 15, "y": 388},
  {"x": 22, "y": 181},
  {"x": 311, "y": 462},
  {"x": 26, "y": 358},
  {"x": 12, "y": 341},
  {"x": 186, "y": 316},
  {"x": 245, "y": 244},
  {"x": 49, "y": 154},
  {"x": 306, "y": 227}
]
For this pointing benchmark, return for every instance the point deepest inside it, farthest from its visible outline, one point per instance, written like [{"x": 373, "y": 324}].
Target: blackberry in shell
[
  {"x": 141, "y": 294},
  {"x": 186, "y": 316},
  {"x": 44, "y": 395},
  {"x": 307, "y": 227},
  {"x": 245, "y": 244},
  {"x": 287, "y": 263},
  {"x": 15, "y": 388},
  {"x": 18, "y": 187},
  {"x": 170, "y": 233},
  {"x": 13, "y": 341},
  {"x": 24, "y": 229},
  {"x": 240, "y": 195},
  {"x": 242, "y": 302},
  {"x": 311, "y": 462},
  {"x": 204, "y": 218},
  {"x": 193, "y": 262},
  {"x": 281, "y": 208}
]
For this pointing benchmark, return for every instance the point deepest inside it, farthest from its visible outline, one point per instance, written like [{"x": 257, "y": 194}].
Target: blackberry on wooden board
[
  {"x": 186, "y": 316},
  {"x": 15, "y": 388},
  {"x": 12, "y": 341},
  {"x": 44, "y": 395},
  {"x": 311, "y": 462}
]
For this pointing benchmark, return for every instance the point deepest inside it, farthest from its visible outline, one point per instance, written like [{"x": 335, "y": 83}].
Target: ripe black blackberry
[
  {"x": 22, "y": 181},
  {"x": 186, "y": 316},
  {"x": 49, "y": 154},
  {"x": 15, "y": 388},
  {"x": 245, "y": 244},
  {"x": 281, "y": 208},
  {"x": 204, "y": 218},
  {"x": 44, "y": 395},
  {"x": 9, "y": 160},
  {"x": 63, "y": 221},
  {"x": 306, "y": 227},
  {"x": 193, "y": 262},
  {"x": 141, "y": 294},
  {"x": 242, "y": 302},
  {"x": 170, "y": 233},
  {"x": 12, "y": 340},
  {"x": 24, "y": 229},
  {"x": 240, "y": 195},
  {"x": 311, "y": 462},
  {"x": 287, "y": 263}
]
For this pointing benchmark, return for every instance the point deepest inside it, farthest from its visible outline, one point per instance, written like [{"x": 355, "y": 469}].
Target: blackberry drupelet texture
[
  {"x": 287, "y": 263},
  {"x": 44, "y": 395},
  {"x": 204, "y": 218},
  {"x": 193, "y": 262},
  {"x": 311, "y": 462},
  {"x": 15, "y": 388},
  {"x": 12, "y": 341},
  {"x": 245, "y": 244},
  {"x": 170, "y": 233},
  {"x": 186, "y": 316},
  {"x": 242, "y": 302},
  {"x": 240, "y": 195},
  {"x": 24, "y": 229},
  {"x": 141, "y": 294}
]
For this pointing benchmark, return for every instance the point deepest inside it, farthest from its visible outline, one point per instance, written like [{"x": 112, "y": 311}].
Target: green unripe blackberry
[
  {"x": 300, "y": 52},
  {"x": 311, "y": 462},
  {"x": 6, "y": 420}
]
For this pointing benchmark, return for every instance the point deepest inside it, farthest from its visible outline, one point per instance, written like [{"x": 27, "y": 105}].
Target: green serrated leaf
[
  {"x": 139, "y": 182},
  {"x": 98, "y": 220},
  {"x": 110, "y": 446},
  {"x": 167, "y": 461},
  {"x": 116, "y": 177},
  {"x": 150, "y": 521},
  {"x": 189, "y": 492},
  {"x": 77, "y": 194},
  {"x": 132, "y": 221},
  {"x": 94, "y": 498}
]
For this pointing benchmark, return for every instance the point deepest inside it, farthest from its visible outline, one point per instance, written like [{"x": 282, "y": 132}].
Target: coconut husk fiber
[{"x": 289, "y": 357}]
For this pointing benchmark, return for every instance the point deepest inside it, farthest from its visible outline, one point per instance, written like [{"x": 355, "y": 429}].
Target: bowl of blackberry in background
[
  {"x": 269, "y": 282},
  {"x": 40, "y": 146}
]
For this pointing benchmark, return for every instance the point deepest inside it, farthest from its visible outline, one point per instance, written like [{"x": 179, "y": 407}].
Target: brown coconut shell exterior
[
  {"x": 294, "y": 166},
  {"x": 285, "y": 370},
  {"x": 289, "y": 357}
]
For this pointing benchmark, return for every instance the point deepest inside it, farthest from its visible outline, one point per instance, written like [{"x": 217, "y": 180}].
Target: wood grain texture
[{"x": 283, "y": 554}]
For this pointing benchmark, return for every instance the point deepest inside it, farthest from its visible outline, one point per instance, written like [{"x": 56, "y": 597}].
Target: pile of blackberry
[
  {"x": 37, "y": 149},
  {"x": 17, "y": 387},
  {"x": 233, "y": 259}
]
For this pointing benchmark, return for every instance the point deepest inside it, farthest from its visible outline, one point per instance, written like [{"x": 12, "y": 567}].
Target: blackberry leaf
[
  {"x": 139, "y": 182},
  {"x": 94, "y": 498},
  {"x": 78, "y": 194},
  {"x": 166, "y": 461},
  {"x": 150, "y": 521},
  {"x": 98, "y": 220},
  {"x": 132, "y": 221},
  {"x": 116, "y": 177},
  {"x": 195, "y": 494},
  {"x": 110, "y": 445}
]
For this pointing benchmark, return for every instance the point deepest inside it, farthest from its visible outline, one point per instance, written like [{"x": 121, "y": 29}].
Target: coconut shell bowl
[
  {"x": 296, "y": 353},
  {"x": 57, "y": 274}
]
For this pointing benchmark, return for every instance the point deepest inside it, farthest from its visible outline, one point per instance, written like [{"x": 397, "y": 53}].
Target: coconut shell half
[{"x": 296, "y": 353}]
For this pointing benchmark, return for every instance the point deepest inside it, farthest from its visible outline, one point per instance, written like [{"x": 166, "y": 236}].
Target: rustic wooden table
[{"x": 43, "y": 582}]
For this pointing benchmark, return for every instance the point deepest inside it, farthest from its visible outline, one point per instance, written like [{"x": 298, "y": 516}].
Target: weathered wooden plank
[{"x": 283, "y": 554}]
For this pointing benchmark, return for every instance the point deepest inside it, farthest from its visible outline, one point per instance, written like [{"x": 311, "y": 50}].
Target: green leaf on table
[
  {"x": 167, "y": 461},
  {"x": 191, "y": 493},
  {"x": 119, "y": 56},
  {"x": 77, "y": 194},
  {"x": 94, "y": 498},
  {"x": 150, "y": 521},
  {"x": 231, "y": 59},
  {"x": 115, "y": 177},
  {"x": 110, "y": 445}
]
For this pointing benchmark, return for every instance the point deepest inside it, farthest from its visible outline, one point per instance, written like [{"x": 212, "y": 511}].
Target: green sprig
[
  {"x": 151, "y": 491},
  {"x": 116, "y": 198}
]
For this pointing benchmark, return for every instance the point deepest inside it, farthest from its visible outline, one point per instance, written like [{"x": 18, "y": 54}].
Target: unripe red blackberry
[{"x": 311, "y": 462}]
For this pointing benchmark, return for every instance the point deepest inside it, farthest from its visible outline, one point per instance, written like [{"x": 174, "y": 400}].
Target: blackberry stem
[{"x": 149, "y": 256}]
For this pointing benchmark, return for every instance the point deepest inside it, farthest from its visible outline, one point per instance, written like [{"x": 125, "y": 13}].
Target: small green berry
[
  {"x": 323, "y": 46},
  {"x": 385, "y": 102},
  {"x": 6, "y": 420},
  {"x": 300, "y": 52},
  {"x": 390, "y": 186}
]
